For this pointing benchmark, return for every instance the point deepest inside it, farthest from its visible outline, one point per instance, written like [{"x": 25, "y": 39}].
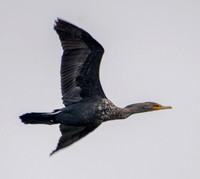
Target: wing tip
[
  {"x": 58, "y": 22},
  {"x": 52, "y": 153},
  {"x": 61, "y": 24}
]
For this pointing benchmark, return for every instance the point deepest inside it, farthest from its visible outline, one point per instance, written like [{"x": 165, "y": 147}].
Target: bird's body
[
  {"x": 87, "y": 112},
  {"x": 86, "y": 106}
]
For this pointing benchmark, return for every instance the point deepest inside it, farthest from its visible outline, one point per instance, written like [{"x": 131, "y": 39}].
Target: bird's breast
[{"x": 106, "y": 110}]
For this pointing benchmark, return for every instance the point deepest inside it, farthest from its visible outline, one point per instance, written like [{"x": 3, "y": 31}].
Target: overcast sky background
[{"x": 152, "y": 53}]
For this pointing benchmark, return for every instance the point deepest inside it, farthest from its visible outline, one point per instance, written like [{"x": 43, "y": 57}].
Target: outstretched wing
[
  {"x": 71, "y": 134},
  {"x": 80, "y": 63}
]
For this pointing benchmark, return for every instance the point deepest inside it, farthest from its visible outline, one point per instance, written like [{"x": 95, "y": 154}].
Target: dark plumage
[{"x": 86, "y": 105}]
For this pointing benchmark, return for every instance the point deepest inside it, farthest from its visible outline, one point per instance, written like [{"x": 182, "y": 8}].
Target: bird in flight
[{"x": 86, "y": 105}]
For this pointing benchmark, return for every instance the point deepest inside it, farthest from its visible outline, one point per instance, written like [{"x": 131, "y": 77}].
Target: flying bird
[{"x": 86, "y": 105}]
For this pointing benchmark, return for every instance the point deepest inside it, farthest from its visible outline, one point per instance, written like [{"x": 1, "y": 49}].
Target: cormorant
[{"x": 86, "y": 105}]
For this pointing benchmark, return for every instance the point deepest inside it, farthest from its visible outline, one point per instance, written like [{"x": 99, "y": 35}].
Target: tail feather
[{"x": 38, "y": 118}]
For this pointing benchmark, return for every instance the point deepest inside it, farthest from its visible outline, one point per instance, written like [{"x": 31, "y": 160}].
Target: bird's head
[
  {"x": 146, "y": 106},
  {"x": 157, "y": 106}
]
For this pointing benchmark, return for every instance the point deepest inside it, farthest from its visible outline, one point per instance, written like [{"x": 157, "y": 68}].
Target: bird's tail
[{"x": 39, "y": 118}]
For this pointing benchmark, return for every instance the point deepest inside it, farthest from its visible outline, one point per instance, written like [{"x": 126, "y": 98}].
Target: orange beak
[{"x": 161, "y": 107}]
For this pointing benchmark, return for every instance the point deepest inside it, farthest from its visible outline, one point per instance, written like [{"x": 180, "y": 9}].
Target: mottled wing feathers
[
  {"x": 71, "y": 134},
  {"x": 80, "y": 63}
]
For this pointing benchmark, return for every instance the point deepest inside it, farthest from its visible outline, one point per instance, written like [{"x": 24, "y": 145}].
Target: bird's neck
[{"x": 131, "y": 109}]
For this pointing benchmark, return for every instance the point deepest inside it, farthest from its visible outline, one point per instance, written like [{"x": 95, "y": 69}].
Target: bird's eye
[{"x": 157, "y": 105}]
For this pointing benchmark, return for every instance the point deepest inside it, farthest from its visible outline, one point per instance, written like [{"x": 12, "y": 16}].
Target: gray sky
[{"x": 152, "y": 53}]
